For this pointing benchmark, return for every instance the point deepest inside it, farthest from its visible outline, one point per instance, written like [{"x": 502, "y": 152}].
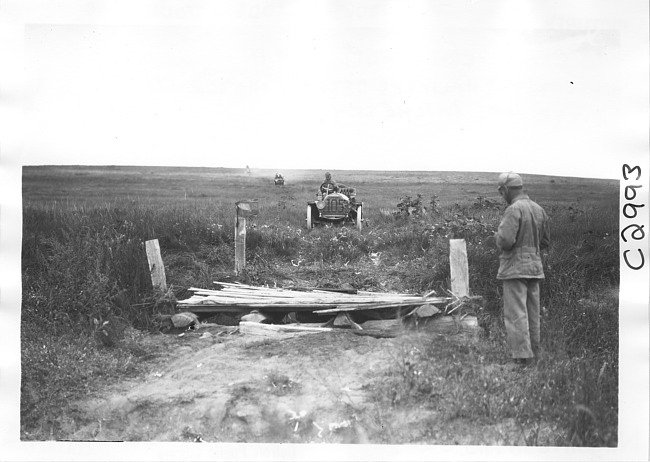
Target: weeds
[
  {"x": 461, "y": 381},
  {"x": 59, "y": 369},
  {"x": 85, "y": 261}
]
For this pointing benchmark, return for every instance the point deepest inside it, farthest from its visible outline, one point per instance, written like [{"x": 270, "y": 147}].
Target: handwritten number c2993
[{"x": 630, "y": 211}]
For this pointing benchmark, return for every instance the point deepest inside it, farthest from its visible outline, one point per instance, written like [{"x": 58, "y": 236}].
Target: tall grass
[
  {"x": 574, "y": 388},
  {"x": 85, "y": 262}
]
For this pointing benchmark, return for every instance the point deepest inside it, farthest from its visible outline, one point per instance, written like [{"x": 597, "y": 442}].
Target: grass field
[{"x": 82, "y": 258}]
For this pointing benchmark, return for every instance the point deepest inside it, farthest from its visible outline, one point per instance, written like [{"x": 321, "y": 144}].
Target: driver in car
[{"x": 329, "y": 185}]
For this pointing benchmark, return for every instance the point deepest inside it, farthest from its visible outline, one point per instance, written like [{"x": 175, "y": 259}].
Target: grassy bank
[{"x": 84, "y": 260}]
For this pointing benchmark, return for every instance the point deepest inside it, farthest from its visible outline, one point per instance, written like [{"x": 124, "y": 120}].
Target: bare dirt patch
[
  {"x": 315, "y": 387},
  {"x": 237, "y": 388}
]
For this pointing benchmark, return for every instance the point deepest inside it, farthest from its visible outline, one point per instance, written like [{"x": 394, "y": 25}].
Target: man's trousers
[{"x": 521, "y": 316}]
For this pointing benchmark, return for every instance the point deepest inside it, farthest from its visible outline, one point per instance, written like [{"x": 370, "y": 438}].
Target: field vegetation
[{"x": 83, "y": 260}]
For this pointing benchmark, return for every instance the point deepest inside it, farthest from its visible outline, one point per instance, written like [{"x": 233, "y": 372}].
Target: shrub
[{"x": 408, "y": 206}]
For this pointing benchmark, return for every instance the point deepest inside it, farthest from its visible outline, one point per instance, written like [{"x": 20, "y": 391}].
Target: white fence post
[
  {"x": 458, "y": 267},
  {"x": 244, "y": 209},
  {"x": 156, "y": 267}
]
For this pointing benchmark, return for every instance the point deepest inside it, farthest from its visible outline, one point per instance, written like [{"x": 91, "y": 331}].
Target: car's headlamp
[{"x": 320, "y": 205}]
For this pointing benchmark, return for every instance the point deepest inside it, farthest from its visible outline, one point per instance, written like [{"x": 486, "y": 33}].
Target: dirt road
[
  {"x": 236, "y": 388},
  {"x": 216, "y": 385}
]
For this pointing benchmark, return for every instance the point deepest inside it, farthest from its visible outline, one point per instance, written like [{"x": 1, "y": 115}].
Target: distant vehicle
[
  {"x": 278, "y": 180},
  {"x": 335, "y": 206}
]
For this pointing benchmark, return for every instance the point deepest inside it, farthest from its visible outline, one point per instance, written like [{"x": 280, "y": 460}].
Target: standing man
[{"x": 523, "y": 233}]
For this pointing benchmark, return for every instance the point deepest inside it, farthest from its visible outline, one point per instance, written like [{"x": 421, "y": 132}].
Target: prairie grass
[{"x": 83, "y": 259}]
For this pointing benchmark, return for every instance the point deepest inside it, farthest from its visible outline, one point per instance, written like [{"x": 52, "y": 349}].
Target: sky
[{"x": 529, "y": 86}]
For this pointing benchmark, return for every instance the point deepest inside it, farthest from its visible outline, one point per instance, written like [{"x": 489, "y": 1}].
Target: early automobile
[
  {"x": 278, "y": 180},
  {"x": 335, "y": 205}
]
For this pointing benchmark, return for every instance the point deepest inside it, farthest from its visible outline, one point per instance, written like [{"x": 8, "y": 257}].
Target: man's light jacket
[{"x": 523, "y": 232}]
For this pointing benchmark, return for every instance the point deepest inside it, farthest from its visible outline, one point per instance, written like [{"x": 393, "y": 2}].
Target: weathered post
[
  {"x": 458, "y": 268},
  {"x": 455, "y": 322},
  {"x": 244, "y": 209},
  {"x": 156, "y": 267}
]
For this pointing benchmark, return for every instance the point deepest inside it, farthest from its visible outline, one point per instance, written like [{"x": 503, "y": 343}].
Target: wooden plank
[
  {"x": 379, "y": 324},
  {"x": 450, "y": 324},
  {"x": 238, "y": 287},
  {"x": 381, "y": 305},
  {"x": 230, "y": 285},
  {"x": 236, "y": 297},
  {"x": 230, "y": 290},
  {"x": 458, "y": 267},
  {"x": 324, "y": 289},
  {"x": 257, "y": 306},
  {"x": 272, "y": 298},
  {"x": 255, "y": 328},
  {"x": 156, "y": 267},
  {"x": 366, "y": 306},
  {"x": 208, "y": 309},
  {"x": 381, "y": 328},
  {"x": 316, "y": 302},
  {"x": 286, "y": 296},
  {"x": 375, "y": 334},
  {"x": 320, "y": 308}
]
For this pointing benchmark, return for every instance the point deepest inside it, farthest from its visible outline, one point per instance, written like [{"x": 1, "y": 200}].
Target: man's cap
[{"x": 510, "y": 179}]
